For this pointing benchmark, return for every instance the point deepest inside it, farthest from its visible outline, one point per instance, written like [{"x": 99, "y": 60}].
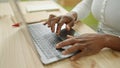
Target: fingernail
[
  {"x": 57, "y": 46},
  {"x": 64, "y": 53}
]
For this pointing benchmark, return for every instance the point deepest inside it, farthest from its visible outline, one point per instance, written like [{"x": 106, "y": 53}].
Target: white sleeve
[{"x": 83, "y": 9}]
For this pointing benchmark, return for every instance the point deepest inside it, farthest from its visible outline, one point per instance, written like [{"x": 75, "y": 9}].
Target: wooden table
[{"x": 17, "y": 50}]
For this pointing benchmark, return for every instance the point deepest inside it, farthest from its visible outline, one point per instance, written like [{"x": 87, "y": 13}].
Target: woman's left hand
[{"x": 87, "y": 44}]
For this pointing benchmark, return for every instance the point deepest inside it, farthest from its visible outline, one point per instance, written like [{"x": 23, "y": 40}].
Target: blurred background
[{"x": 70, "y": 4}]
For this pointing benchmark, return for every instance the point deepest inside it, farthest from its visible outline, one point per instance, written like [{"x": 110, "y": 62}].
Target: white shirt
[{"x": 107, "y": 12}]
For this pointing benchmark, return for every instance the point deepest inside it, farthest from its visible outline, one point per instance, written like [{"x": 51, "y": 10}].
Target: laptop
[{"x": 43, "y": 39}]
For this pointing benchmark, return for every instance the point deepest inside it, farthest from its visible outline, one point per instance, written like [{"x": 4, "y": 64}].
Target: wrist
[
  {"x": 106, "y": 40},
  {"x": 112, "y": 42}
]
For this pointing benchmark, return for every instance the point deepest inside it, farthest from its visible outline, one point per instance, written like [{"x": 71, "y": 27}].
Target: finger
[
  {"x": 60, "y": 23},
  {"x": 71, "y": 41},
  {"x": 53, "y": 22},
  {"x": 49, "y": 20},
  {"x": 81, "y": 54},
  {"x": 76, "y": 47},
  {"x": 70, "y": 25},
  {"x": 66, "y": 42},
  {"x": 53, "y": 26}
]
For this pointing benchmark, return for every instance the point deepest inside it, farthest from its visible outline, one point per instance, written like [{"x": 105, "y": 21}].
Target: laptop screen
[{"x": 16, "y": 11}]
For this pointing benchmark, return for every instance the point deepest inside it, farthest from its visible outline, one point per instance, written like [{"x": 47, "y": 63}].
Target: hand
[
  {"x": 87, "y": 44},
  {"x": 68, "y": 19}
]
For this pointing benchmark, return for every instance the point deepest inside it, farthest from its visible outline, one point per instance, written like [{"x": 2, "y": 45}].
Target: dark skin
[
  {"x": 68, "y": 19},
  {"x": 87, "y": 44}
]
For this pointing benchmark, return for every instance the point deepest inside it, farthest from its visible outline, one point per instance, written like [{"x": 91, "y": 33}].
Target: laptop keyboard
[{"x": 45, "y": 40}]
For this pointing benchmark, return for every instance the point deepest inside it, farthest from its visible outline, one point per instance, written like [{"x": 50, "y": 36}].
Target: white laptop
[{"x": 43, "y": 38}]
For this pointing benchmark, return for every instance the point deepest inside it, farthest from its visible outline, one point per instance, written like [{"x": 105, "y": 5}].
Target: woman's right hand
[{"x": 69, "y": 19}]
